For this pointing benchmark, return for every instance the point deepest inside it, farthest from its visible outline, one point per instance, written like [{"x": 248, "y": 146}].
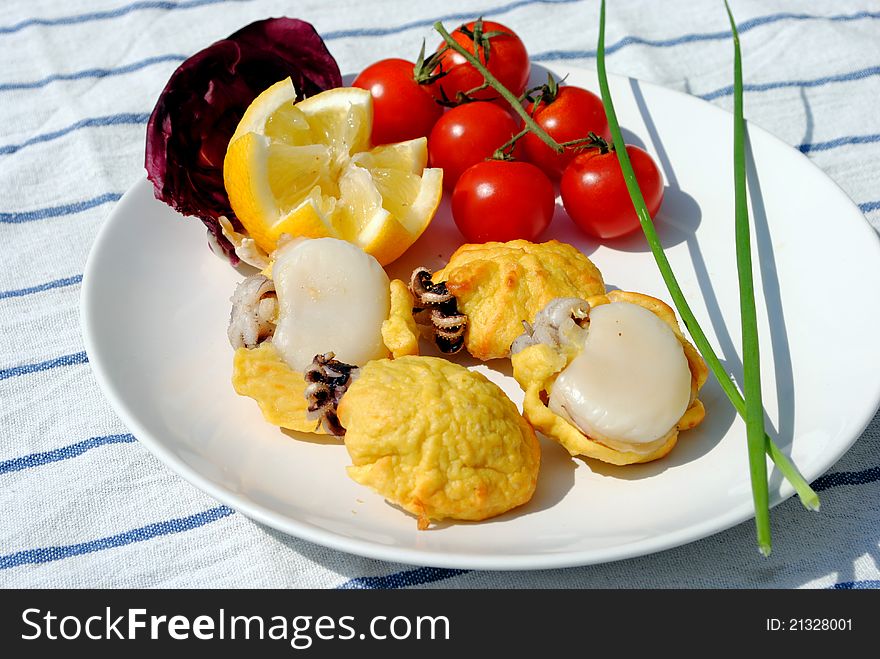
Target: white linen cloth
[{"x": 85, "y": 505}]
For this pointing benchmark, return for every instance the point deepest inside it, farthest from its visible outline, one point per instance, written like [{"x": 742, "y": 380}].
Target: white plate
[{"x": 156, "y": 302}]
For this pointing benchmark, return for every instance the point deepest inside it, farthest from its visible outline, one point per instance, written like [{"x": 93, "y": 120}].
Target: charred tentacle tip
[
  {"x": 254, "y": 311},
  {"x": 436, "y": 309},
  {"x": 328, "y": 379}
]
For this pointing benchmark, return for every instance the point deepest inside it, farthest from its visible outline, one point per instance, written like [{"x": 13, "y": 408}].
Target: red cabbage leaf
[{"x": 204, "y": 100}]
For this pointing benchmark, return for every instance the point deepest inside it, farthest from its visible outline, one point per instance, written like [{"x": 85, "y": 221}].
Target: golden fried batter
[
  {"x": 499, "y": 285},
  {"x": 399, "y": 333},
  {"x": 439, "y": 440},
  {"x": 536, "y": 368},
  {"x": 262, "y": 374}
]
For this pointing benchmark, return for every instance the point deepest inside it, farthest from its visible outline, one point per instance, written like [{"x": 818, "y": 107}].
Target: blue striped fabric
[
  {"x": 838, "y": 478},
  {"x": 383, "y": 30},
  {"x": 108, "y": 14},
  {"x": 18, "y": 217},
  {"x": 849, "y": 76},
  {"x": 857, "y": 585},
  {"x": 417, "y": 577},
  {"x": 48, "y": 286},
  {"x": 838, "y": 142},
  {"x": 87, "y": 50},
  {"x": 63, "y": 453},
  {"x": 121, "y": 119},
  {"x": 165, "y": 527},
  {"x": 722, "y": 35},
  {"x": 91, "y": 73},
  {"x": 26, "y": 369}
]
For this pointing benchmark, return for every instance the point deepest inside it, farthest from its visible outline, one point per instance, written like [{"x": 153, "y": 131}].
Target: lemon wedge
[{"x": 307, "y": 169}]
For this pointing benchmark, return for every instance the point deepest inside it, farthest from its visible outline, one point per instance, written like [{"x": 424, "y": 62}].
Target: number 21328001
[{"x": 809, "y": 624}]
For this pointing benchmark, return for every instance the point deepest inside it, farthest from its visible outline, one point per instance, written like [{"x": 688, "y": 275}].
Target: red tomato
[
  {"x": 508, "y": 62},
  {"x": 595, "y": 195},
  {"x": 402, "y": 108},
  {"x": 573, "y": 114},
  {"x": 502, "y": 200},
  {"x": 466, "y": 135}
]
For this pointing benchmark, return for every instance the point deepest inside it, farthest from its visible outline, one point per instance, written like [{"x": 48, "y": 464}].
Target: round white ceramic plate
[{"x": 156, "y": 303}]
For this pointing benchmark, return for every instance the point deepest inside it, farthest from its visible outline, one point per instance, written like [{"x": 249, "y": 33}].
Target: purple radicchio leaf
[{"x": 204, "y": 100}]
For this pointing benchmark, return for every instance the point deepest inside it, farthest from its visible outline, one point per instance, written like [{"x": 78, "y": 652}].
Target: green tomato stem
[
  {"x": 498, "y": 87},
  {"x": 501, "y": 152}
]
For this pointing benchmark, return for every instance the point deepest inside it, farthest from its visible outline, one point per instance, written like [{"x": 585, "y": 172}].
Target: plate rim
[{"x": 434, "y": 558}]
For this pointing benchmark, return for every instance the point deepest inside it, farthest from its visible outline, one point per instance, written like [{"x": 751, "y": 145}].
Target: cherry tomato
[
  {"x": 508, "y": 62},
  {"x": 502, "y": 200},
  {"x": 571, "y": 115},
  {"x": 595, "y": 195},
  {"x": 402, "y": 108},
  {"x": 466, "y": 135}
]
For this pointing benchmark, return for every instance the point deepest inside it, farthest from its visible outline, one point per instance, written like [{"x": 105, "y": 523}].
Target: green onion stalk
[
  {"x": 754, "y": 420},
  {"x": 754, "y": 414},
  {"x": 748, "y": 316}
]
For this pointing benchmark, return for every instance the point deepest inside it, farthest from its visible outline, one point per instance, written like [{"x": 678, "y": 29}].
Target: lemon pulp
[{"x": 307, "y": 169}]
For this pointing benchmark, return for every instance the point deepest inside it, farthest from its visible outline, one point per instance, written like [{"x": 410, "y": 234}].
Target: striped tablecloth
[{"x": 85, "y": 505}]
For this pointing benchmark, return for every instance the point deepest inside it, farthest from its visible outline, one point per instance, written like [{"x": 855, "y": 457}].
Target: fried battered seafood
[
  {"x": 399, "y": 332},
  {"x": 325, "y": 295},
  {"x": 611, "y": 377},
  {"x": 438, "y": 440},
  {"x": 497, "y": 286},
  {"x": 260, "y": 373}
]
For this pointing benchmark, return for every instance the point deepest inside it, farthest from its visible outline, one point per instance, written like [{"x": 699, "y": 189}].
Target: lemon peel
[{"x": 307, "y": 169}]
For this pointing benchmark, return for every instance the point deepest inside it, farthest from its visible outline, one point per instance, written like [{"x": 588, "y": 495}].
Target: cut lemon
[{"x": 307, "y": 169}]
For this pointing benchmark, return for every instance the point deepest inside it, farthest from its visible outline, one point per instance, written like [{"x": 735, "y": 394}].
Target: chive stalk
[
  {"x": 806, "y": 494},
  {"x": 748, "y": 315}
]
